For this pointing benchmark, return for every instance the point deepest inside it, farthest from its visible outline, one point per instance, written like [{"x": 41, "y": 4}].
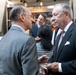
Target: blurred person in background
[
  {"x": 44, "y": 46},
  {"x": 40, "y": 21}
]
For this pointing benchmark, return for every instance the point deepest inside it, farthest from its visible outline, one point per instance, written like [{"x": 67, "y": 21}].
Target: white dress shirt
[{"x": 38, "y": 25}]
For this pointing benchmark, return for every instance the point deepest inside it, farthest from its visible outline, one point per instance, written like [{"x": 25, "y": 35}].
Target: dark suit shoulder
[{"x": 34, "y": 26}]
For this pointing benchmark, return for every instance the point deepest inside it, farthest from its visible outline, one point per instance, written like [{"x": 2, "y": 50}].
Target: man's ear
[
  {"x": 67, "y": 14},
  {"x": 21, "y": 17}
]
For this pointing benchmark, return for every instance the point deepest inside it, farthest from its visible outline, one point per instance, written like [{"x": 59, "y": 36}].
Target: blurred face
[
  {"x": 28, "y": 19},
  {"x": 58, "y": 19},
  {"x": 41, "y": 20}
]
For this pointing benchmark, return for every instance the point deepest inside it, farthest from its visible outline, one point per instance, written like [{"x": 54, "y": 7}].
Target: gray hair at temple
[
  {"x": 65, "y": 8},
  {"x": 15, "y": 12}
]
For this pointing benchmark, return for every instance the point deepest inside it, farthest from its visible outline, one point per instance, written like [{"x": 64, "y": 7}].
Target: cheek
[{"x": 60, "y": 20}]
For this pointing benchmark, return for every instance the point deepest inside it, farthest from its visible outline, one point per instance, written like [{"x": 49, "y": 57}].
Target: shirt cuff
[{"x": 59, "y": 67}]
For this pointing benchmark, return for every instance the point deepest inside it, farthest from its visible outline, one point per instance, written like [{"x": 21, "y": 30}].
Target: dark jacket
[
  {"x": 33, "y": 31},
  {"x": 66, "y": 54}
]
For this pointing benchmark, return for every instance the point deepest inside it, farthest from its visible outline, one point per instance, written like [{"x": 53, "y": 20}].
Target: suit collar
[
  {"x": 67, "y": 26},
  {"x": 17, "y": 26}
]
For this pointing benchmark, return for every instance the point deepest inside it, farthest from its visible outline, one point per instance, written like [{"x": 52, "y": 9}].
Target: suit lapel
[{"x": 65, "y": 38}]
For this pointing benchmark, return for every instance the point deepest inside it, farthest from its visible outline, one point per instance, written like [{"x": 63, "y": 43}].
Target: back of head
[
  {"x": 45, "y": 33},
  {"x": 21, "y": 16},
  {"x": 15, "y": 12}
]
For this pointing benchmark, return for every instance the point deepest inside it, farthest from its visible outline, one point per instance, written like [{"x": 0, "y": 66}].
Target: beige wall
[
  {"x": 73, "y": 5},
  {"x": 2, "y": 16}
]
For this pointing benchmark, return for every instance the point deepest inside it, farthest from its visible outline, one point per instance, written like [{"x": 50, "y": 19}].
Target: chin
[
  {"x": 55, "y": 26},
  {"x": 30, "y": 27}
]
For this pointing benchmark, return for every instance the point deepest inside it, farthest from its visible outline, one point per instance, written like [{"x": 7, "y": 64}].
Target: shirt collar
[
  {"x": 67, "y": 26},
  {"x": 18, "y": 27},
  {"x": 38, "y": 25}
]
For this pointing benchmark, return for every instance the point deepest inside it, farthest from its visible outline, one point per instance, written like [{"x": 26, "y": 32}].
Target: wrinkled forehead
[{"x": 57, "y": 9}]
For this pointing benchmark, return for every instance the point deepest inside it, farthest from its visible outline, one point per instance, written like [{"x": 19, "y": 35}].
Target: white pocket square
[{"x": 67, "y": 43}]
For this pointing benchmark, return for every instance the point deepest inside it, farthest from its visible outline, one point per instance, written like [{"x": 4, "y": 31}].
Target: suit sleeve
[
  {"x": 29, "y": 58},
  {"x": 70, "y": 66}
]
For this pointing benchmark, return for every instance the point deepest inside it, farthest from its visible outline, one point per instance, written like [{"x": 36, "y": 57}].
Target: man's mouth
[{"x": 54, "y": 24}]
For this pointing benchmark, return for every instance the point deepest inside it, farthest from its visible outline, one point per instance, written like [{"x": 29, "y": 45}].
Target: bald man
[{"x": 18, "y": 55}]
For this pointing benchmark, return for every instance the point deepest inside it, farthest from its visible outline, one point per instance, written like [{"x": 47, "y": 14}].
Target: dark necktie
[{"x": 59, "y": 39}]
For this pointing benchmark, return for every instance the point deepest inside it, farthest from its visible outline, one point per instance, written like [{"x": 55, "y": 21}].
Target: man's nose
[
  {"x": 32, "y": 19},
  {"x": 52, "y": 19}
]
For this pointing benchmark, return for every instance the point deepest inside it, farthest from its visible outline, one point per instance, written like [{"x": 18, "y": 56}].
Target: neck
[
  {"x": 20, "y": 24},
  {"x": 66, "y": 23}
]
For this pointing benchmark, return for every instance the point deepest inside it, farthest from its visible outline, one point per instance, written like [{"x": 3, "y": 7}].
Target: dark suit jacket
[
  {"x": 18, "y": 55},
  {"x": 34, "y": 30},
  {"x": 66, "y": 54}
]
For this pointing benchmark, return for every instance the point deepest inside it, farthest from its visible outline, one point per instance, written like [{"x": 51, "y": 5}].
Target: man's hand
[
  {"x": 37, "y": 39},
  {"x": 43, "y": 59},
  {"x": 53, "y": 66}
]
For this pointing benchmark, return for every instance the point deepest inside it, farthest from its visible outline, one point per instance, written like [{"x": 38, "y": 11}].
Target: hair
[
  {"x": 15, "y": 12},
  {"x": 44, "y": 15},
  {"x": 45, "y": 33},
  {"x": 65, "y": 8}
]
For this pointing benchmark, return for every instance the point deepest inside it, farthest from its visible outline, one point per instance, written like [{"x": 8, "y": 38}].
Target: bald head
[
  {"x": 21, "y": 16},
  {"x": 16, "y": 11}
]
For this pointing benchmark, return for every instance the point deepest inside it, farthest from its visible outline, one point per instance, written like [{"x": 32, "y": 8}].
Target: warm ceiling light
[
  {"x": 41, "y": 3},
  {"x": 25, "y": 4},
  {"x": 50, "y": 7}
]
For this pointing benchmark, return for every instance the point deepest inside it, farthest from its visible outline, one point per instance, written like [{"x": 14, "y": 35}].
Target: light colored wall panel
[{"x": 2, "y": 15}]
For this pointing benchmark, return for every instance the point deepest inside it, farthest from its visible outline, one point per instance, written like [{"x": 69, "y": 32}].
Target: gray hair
[
  {"x": 65, "y": 8},
  {"x": 15, "y": 12}
]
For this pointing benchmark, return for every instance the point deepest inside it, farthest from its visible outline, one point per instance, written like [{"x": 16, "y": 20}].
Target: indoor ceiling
[{"x": 32, "y": 3}]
